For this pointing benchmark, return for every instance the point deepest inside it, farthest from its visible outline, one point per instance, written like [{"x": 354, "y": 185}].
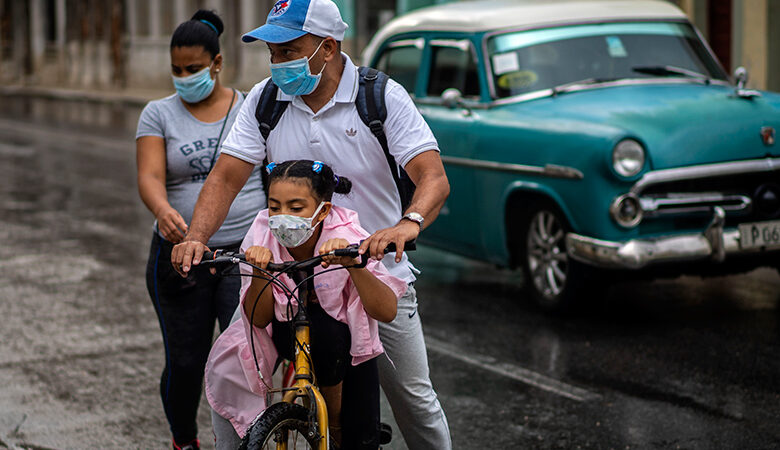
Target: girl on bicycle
[{"x": 343, "y": 307}]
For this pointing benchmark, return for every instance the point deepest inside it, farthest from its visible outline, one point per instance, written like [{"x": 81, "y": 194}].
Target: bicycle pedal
[{"x": 385, "y": 433}]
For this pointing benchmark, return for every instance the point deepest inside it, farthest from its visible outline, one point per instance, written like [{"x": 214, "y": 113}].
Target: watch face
[{"x": 415, "y": 217}]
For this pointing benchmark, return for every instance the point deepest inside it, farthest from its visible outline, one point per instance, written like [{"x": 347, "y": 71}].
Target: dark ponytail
[
  {"x": 343, "y": 185},
  {"x": 204, "y": 29},
  {"x": 324, "y": 183}
]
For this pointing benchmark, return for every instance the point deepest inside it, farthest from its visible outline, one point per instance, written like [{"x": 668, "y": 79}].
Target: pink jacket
[{"x": 233, "y": 387}]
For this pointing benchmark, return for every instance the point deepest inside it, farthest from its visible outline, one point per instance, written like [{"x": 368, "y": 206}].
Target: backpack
[{"x": 370, "y": 104}]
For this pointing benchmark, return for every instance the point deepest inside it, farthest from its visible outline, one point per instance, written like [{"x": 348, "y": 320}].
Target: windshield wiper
[
  {"x": 566, "y": 87},
  {"x": 666, "y": 71}
]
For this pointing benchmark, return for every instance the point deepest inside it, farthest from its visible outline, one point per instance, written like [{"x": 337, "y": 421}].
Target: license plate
[{"x": 759, "y": 234}]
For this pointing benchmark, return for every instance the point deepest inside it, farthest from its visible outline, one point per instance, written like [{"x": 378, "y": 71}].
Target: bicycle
[{"x": 284, "y": 423}]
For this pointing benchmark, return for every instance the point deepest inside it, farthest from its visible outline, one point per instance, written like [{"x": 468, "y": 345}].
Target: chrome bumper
[{"x": 714, "y": 243}]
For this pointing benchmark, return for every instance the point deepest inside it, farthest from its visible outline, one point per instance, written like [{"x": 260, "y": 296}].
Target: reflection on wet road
[{"x": 684, "y": 363}]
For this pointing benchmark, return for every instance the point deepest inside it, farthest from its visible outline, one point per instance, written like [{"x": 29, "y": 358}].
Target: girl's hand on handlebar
[
  {"x": 259, "y": 256},
  {"x": 171, "y": 224},
  {"x": 335, "y": 244}
]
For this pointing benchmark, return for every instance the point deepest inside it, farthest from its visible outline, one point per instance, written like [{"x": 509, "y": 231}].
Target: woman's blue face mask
[
  {"x": 294, "y": 77},
  {"x": 196, "y": 87}
]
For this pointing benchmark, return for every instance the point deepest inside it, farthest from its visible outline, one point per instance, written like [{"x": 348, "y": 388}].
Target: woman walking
[{"x": 177, "y": 144}]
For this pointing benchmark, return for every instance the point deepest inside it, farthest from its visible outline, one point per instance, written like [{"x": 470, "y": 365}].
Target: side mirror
[
  {"x": 740, "y": 77},
  {"x": 452, "y": 98}
]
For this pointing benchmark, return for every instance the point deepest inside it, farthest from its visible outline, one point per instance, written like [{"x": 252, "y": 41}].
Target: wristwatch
[{"x": 415, "y": 217}]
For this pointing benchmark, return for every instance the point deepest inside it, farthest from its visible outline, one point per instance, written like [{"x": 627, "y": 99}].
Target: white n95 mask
[{"x": 292, "y": 231}]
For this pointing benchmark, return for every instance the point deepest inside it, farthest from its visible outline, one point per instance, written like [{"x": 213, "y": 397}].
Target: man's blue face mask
[
  {"x": 294, "y": 77},
  {"x": 195, "y": 87}
]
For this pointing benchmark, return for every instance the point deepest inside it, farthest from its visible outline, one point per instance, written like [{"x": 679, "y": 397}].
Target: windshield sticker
[
  {"x": 505, "y": 62},
  {"x": 523, "y": 79},
  {"x": 615, "y": 47}
]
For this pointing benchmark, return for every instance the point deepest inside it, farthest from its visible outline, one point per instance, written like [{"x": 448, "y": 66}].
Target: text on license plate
[{"x": 759, "y": 234}]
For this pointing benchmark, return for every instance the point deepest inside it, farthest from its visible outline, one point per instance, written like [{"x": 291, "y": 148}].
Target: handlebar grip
[
  {"x": 350, "y": 250},
  {"x": 209, "y": 256},
  {"x": 276, "y": 267},
  {"x": 409, "y": 246}
]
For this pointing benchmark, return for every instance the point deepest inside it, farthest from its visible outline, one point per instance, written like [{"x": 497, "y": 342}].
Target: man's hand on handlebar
[
  {"x": 259, "y": 256},
  {"x": 404, "y": 231},
  {"x": 187, "y": 254}
]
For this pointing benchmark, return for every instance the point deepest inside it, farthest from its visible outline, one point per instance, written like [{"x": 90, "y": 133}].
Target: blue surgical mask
[
  {"x": 194, "y": 88},
  {"x": 294, "y": 77}
]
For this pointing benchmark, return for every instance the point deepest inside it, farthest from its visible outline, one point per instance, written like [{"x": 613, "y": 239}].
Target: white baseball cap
[{"x": 291, "y": 19}]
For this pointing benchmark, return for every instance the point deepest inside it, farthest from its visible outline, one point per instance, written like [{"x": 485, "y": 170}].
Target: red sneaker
[{"x": 192, "y": 445}]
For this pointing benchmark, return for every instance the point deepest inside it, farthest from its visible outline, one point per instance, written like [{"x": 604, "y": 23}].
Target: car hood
[{"x": 680, "y": 125}]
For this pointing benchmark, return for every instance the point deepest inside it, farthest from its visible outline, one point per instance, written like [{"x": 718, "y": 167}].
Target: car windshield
[{"x": 535, "y": 60}]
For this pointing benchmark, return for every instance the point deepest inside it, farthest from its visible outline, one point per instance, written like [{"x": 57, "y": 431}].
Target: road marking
[{"x": 511, "y": 371}]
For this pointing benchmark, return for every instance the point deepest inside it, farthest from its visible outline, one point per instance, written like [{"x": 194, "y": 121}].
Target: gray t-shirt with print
[{"x": 190, "y": 150}]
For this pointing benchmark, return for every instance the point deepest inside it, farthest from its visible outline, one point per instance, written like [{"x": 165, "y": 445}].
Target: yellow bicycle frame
[{"x": 305, "y": 389}]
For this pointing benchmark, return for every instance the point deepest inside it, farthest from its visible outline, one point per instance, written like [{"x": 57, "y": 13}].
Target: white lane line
[{"x": 512, "y": 371}]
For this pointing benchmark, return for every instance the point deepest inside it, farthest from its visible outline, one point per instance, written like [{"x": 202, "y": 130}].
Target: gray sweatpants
[
  {"x": 406, "y": 383},
  {"x": 224, "y": 434}
]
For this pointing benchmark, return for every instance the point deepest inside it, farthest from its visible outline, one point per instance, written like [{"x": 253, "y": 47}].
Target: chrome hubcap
[{"x": 547, "y": 259}]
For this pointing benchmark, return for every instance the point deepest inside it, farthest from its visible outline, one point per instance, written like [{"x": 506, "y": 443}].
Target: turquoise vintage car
[{"x": 583, "y": 136}]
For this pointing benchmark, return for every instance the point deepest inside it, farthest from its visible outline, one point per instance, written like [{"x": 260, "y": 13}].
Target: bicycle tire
[{"x": 280, "y": 419}]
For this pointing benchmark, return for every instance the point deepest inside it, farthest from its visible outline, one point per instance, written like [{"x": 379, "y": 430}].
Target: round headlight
[{"x": 628, "y": 158}]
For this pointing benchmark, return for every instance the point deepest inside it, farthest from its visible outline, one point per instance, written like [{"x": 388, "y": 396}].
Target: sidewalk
[{"x": 128, "y": 96}]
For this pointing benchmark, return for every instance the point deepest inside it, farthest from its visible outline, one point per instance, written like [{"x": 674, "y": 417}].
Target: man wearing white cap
[{"x": 321, "y": 84}]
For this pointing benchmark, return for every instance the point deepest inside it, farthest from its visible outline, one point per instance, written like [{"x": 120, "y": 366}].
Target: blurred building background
[{"x": 123, "y": 44}]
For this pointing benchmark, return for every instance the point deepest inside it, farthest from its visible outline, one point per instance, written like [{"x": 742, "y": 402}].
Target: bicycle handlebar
[{"x": 219, "y": 256}]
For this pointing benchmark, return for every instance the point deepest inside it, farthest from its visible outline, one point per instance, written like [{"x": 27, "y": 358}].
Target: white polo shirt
[{"x": 337, "y": 137}]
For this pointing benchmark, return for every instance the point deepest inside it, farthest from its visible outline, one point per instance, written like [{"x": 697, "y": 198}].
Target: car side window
[
  {"x": 453, "y": 65},
  {"x": 401, "y": 62}
]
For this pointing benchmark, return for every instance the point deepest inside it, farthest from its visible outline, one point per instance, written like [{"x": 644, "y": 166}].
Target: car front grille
[{"x": 744, "y": 197}]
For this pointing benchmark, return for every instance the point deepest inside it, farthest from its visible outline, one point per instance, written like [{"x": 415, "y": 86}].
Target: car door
[
  {"x": 452, "y": 65},
  {"x": 426, "y": 68}
]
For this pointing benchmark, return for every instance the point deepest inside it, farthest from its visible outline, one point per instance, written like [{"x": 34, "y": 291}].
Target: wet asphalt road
[{"x": 685, "y": 363}]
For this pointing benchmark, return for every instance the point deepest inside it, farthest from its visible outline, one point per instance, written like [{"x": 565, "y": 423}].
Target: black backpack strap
[
  {"x": 269, "y": 110},
  {"x": 370, "y": 103}
]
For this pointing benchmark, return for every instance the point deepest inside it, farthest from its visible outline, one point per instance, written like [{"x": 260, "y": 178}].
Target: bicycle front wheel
[{"x": 280, "y": 423}]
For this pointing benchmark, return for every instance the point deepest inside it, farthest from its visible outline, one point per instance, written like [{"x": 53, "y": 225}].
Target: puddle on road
[
  {"x": 23, "y": 149},
  {"x": 115, "y": 118}
]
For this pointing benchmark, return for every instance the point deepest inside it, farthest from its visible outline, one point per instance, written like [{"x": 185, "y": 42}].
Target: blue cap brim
[{"x": 273, "y": 34}]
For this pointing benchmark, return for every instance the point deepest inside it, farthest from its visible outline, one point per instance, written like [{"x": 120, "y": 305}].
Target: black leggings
[
  {"x": 187, "y": 309},
  {"x": 330, "y": 343}
]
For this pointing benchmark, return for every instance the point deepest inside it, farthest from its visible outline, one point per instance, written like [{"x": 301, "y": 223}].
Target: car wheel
[{"x": 555, "y": 282}]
